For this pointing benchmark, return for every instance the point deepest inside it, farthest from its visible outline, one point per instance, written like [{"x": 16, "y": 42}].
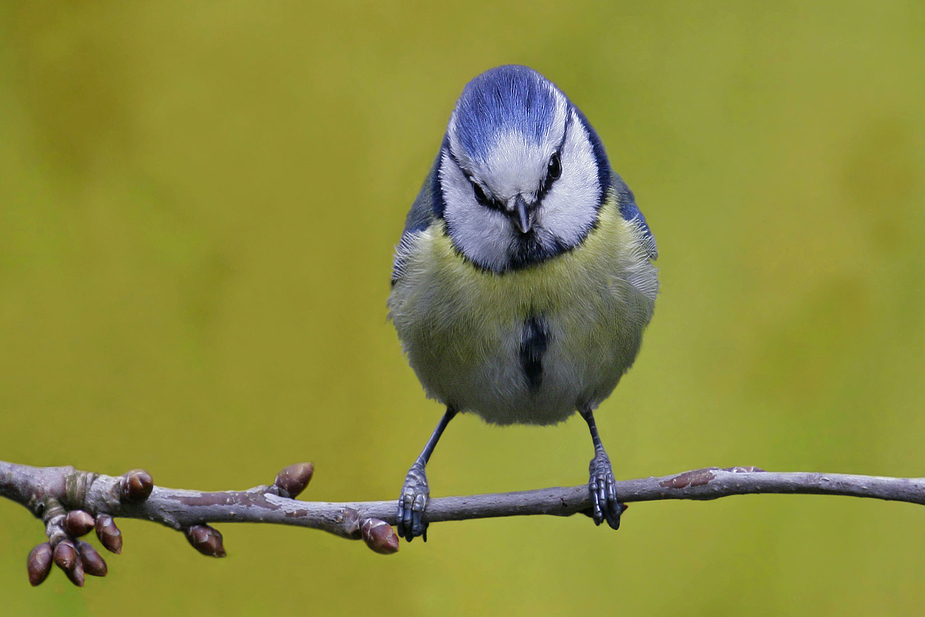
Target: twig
[{"x": 55, "y": 494}]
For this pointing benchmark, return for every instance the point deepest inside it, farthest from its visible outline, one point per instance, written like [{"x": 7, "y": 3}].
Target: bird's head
[{"x": 522, "y": 174}]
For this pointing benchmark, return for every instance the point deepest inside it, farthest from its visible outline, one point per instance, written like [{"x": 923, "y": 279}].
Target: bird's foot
[
  {"x": 411, "y": 503},
  {"x": 602, "y": 486}
]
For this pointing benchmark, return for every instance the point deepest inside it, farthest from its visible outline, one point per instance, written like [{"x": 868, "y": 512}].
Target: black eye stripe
[
  {"x": 479, "y": 192},
  {"x": 483, "y": 199},
  {"x": 554, "y": 167}
]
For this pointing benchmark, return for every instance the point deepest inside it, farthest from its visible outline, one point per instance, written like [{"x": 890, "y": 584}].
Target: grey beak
[{"x": 523, "y": 216}]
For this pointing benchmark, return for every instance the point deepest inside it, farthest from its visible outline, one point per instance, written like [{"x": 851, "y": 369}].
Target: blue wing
[
  {"x": 422, "y": 214},
  {"x": 626, "y": 201}
]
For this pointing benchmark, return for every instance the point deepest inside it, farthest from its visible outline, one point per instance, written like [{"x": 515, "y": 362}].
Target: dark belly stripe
[{"x": 533, "y": 344}]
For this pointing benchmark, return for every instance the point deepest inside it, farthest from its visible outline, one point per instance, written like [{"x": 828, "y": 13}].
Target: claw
[
  {"x": 602, "y": 486},
  {"x": 412, "y": 503}
]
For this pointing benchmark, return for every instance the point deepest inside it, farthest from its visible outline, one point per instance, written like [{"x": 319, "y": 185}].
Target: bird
[{"x": 524, "y": 277}]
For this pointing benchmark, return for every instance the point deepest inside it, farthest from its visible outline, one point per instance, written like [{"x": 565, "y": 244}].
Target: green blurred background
[{"x": 198, "y": 207}]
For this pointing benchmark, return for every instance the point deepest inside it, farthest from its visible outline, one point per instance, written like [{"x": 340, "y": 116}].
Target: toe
[
  {"x": 612, "y": 509},
  {"x": 603, "y": 489},
  {"x": 418, "y": 527},
  {"x": 595, "y": 490},
  {"x": 412, "y": 503}
]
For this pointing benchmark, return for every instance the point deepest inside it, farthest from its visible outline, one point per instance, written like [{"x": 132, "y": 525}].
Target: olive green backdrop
[{"x": 198, "y": 207}]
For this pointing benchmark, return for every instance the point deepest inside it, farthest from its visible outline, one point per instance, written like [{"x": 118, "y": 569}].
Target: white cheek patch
[
  {"x": 570, "y": 208},
  {"x": 484, "y": 236}
]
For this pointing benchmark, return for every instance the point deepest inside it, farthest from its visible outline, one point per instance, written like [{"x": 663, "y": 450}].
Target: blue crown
[{"x": 500, "y": 100}]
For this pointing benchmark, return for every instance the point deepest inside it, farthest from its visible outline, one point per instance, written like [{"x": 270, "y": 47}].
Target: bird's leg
[
  {"x": 602, "y": 483},
  {"x": 415, "y": 492}
]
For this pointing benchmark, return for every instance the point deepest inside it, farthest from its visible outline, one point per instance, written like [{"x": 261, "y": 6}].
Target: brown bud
[
  {"x": 78, "y": 523},
  {"x": 39, "y": 563},
  {"x": 66, "y": 558},
  {"x": 137, "y": 485},
  {"x": 292, "y": 480},
  {"x": 207, "y": 540},
  {"x": 109, "y": 535},
  {"x": 379, "y": 536},
  {"x": 94, "y": 565}
]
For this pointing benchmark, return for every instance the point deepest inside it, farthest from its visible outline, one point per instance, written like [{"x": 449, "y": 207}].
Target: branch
[{"x": 72, "y": 502}]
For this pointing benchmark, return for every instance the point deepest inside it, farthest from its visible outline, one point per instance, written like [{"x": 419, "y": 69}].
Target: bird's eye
[
  {"x": 479, "y": 193},
  {"x": 554, "y": 170}
]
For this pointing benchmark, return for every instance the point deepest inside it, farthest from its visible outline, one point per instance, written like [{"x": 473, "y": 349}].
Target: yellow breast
[{"x": 461, "y": 326}]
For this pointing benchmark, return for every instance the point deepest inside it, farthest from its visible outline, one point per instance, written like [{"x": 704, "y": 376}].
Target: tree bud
[
  {"x": 109, "y": 535},
  {"x": 205, "y": 539},
  {"x": 292, "y": 480},
  {"x": 67, "y": 559},
  {"x": 94, "y": 565},
  {"x": 136, "y": 486},
  {"x": 39, "y": 563},
  {"x": 379, "y": 536},
  {"x": 78, "y": 523}
]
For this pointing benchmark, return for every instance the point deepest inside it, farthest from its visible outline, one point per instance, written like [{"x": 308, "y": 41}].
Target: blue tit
[{"x": 524, "y": 279}]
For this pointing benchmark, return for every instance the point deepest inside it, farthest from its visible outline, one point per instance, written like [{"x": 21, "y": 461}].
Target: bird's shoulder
[
  {"x": 424, "y": 211},
  {"x": 629, "y": 210}
]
